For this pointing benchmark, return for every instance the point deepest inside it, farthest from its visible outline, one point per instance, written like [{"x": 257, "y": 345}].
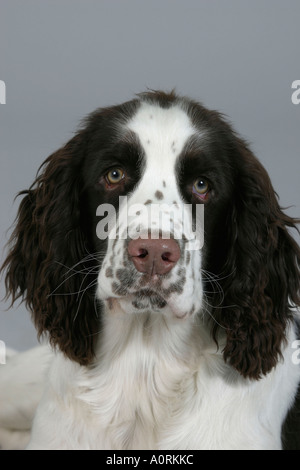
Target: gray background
[{"x": 60, "y": 59}]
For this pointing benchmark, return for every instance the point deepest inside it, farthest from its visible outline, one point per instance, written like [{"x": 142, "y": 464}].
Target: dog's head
[{"x": 75, "y": 247}]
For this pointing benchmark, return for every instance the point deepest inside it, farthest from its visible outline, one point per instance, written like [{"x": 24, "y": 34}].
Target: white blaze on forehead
[{"x": 163, "y": 134}]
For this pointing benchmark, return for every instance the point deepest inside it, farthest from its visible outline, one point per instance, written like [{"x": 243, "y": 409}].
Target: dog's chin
[{"x": 144, "y": 301}]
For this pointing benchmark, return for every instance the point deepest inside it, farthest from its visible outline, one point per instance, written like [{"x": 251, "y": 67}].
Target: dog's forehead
[{"x": 162, "y": 132}]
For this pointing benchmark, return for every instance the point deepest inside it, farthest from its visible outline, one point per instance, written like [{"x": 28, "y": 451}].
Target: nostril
[
  {"x": 166, "y": 256},
  {"x": 142, "y": 253},
  {"x": 154, "y": 256}
]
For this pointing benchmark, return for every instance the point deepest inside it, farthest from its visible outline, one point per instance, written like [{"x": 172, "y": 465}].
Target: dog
[{"x": 153, "y": 255}]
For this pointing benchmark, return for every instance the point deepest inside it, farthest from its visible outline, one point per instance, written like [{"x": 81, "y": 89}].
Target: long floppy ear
[
  {"x": 48, "y": 249},
  {"x": 261, "y": 273}
]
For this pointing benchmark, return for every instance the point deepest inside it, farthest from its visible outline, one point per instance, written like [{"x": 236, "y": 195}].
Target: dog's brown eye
[
  {"x": 115, "y": 176},
  {"x": 201, "y": 186}
]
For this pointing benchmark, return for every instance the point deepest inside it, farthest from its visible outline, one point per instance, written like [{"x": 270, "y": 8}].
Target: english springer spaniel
[{"x": 156, "y": 342}]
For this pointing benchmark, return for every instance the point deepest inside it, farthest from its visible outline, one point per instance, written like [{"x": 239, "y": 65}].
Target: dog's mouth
[
  {"x": 141, "y": 300},
  {"x": 146, "y": 298},
  {"x": 147, "y": 301},
  {"x": 137, "y": 294}
]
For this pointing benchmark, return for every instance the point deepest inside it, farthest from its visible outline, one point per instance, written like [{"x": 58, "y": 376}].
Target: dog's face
[
  {"x": 166, "y": 159},
  {"x": 151, "y": 164}
]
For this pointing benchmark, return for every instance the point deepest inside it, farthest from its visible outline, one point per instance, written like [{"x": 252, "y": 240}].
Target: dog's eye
[
  {"x": 201, "y": 187},
  {"x": 115, "y": 175}
]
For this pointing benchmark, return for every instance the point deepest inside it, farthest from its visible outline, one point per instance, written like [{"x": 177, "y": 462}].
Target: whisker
[
  {"x": 89, "y": 270},
  {"x": 92, "y": 284},
  {"x": 207, "y": 310},
  {"x": 65, "y": 280}
]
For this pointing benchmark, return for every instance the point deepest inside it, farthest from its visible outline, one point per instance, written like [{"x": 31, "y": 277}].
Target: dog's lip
[
  {"x": 141, "y": 293},
  {"x": 154, "y": 297},
  {"x": 147, "y": 292},
  {"x": 150, "y": 280}
]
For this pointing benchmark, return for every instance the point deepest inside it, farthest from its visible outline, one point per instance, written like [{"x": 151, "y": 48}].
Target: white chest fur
[{"x": 161, "y": 384}]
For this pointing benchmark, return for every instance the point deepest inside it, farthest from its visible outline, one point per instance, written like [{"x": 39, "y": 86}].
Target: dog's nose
[{"x": 154, "y": 256}]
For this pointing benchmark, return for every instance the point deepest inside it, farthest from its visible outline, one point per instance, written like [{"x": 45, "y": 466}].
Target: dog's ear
[
  {"x": 48, "y": 263},
  {"x": 260, "y": 277}
]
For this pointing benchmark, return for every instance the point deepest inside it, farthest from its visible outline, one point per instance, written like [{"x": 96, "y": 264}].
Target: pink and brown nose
[{"x": 154, "y": 256}]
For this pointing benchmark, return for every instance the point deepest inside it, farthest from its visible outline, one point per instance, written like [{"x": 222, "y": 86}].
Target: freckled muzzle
[{"x": 149, "y": 266}]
